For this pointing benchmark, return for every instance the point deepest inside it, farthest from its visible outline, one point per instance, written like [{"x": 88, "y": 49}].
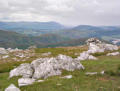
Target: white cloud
[{"x": 70, "y": 12}]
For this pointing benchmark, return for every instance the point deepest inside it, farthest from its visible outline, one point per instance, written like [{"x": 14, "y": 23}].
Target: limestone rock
[
  {"x": 95, "y": 48},
  {"x": 25, "y": 81},
  {"x": 40, "y": 81},
  {"x": 24, "y": 70},
  {"x": 67, "y": 77},
  {"x": 46, "y": 54},
  {"x": 110, "y": 47},
  {"x": 12, "y": 87},
  {"x": 85, "y": 56},
  {"x": 46, "y": 67},
  {"x": 91, "y": 73},
  {"x": 93, "y": 41},
  {"x": 3, "y": 51},
  {"x": 113, "y": 54},
  {"x": 96, "y": 45},
  {"x": 6, "y": 56}
]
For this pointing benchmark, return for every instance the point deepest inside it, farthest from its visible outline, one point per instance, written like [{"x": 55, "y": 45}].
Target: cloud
[{"x": 69, "y": 12}]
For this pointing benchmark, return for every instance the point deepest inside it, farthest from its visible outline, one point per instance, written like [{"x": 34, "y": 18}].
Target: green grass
[{"x": 79, "y": 82}]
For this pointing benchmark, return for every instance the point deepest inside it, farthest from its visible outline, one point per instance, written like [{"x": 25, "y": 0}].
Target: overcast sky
[{"x": 68, "y": 12}]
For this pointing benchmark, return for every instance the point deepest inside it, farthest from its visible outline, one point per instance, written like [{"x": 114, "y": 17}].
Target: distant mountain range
[
  {"x": 31, "y": 28},
  {"x": 86, "y": 31},
  {"x": 52, "y": 34}
]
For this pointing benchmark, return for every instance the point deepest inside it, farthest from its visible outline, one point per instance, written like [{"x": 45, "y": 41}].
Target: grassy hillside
[
  {"x": 13, "y": 40},
  {"x": 79, "y": 82}
]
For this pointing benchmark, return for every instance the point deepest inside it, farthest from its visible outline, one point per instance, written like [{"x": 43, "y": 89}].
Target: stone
[
  {"x": 85, "y": 56},
  {"x": 6, "y": 56},
  {"x": 93, "y": 41},
  {"x": 95, "y": 48},
  {"x": 92, "y": 57},
  {"x": 45, "y": 67},
  {"x": 110, "y": 47},
  {"x": 113, "y": 54},
  {"x": 25, "y": 81},
  {"x": 96, "y": 45},
  {"x": 24, "y": 70},
  {"x": 91, "y": 73},
  {"x": 46, "y": 54},
  {"x": 102, "y": 72},
  {"x": 3, "y": 51},
  {"x": 12, "y": 87},
  {"x": 40, "y": 81},
  {"x": 67, "y": 77}
]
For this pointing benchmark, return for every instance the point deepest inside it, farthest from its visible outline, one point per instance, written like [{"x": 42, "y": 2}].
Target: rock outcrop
[
  {"x": 95, "y": 46},
  {"x": 93, "y": 41},
  {"x": 46, "y": 67}
]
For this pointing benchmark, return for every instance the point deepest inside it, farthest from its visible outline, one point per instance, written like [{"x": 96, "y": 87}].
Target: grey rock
[
  {"x": 93, "y": 41},
  {"x": 3, "y": 51},
  {"x": 113, "y": 54},
  {"x": 12, "y": 87},
  {"x": 85, "y": 56},
  {"x": 52, "y": 66},
  {"x": 67, "y": 77},
  {"x": 91, "y": 73},
  {"x": 25, "y": 81},
  {"x": 46, "y": 54},
  {"x": 24, "y": 70}
]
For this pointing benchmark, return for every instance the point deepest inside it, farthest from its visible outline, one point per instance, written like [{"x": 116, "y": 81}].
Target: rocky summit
[{"x": 36, "y": 66}]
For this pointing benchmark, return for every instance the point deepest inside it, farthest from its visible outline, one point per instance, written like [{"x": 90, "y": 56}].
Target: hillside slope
[{"x": 13, "y": 40}]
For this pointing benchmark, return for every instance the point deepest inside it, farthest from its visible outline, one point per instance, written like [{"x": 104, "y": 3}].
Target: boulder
[
  {"x": 68, "y": 63},
  {"x": 92, "y": 57},
  {"x": 93, "y": 41},
  {"x": 24, "y": 70},
  {"x": 113, "y": 54},
  {"x": 46, "y": 67},
  {"x": 96, "y": 45},
  {"x": 12, "y": 87},
  {"x": 110, "y": 47},
  {"x": 85, "y": 56},
  {"x": 3, "y": 51},
  {"x": 25, "y": 81},
  {"x": 95, "y": 48}
]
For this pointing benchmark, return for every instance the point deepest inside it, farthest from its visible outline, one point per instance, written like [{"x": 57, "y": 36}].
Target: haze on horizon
[{"x": 68, "y": 12}]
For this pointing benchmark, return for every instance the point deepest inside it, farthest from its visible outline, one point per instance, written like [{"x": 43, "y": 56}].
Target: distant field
[{"x": 79, "y": 82}]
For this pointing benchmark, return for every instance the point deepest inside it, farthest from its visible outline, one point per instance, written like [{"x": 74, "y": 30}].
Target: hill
[
  {"x": 87, "y": 31},
  {"x": 31, "y": 28},
  {"x": 13, "y": 40},
  {"x": 79, "y": 80}
]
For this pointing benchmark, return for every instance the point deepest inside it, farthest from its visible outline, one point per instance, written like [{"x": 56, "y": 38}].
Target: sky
[{"x": 67, "y": 12}]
